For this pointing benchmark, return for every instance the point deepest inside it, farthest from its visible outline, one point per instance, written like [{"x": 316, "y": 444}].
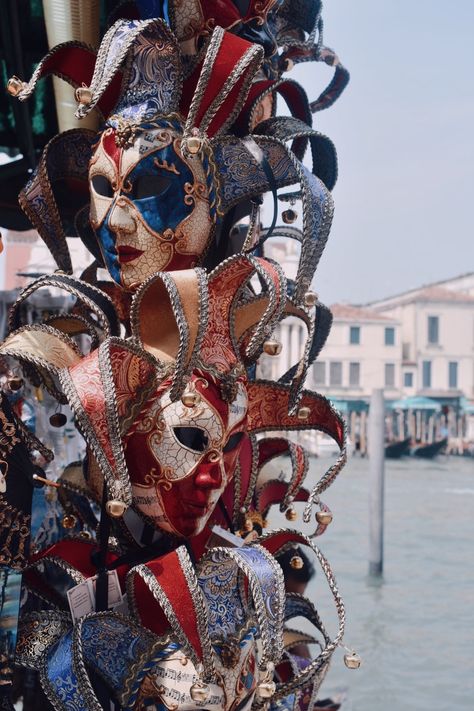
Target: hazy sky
[{"x": 403, "y": 132}]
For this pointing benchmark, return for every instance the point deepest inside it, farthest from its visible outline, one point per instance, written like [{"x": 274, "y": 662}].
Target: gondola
[
  {"x": 428, "y": 451},
  {"x": 397, "y": 449}
]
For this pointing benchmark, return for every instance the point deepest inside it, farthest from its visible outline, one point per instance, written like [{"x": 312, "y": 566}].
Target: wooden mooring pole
[{"x": 376, "y": 481}]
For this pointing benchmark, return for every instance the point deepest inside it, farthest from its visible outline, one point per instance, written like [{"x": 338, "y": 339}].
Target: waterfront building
[
  {"x": 363, "y": 352},
  {"x": 437, "y": 334},
  {"x": 417, "y": 343}
]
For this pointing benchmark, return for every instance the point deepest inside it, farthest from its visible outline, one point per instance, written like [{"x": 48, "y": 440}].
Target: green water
[{"x": 415, "y": 628}]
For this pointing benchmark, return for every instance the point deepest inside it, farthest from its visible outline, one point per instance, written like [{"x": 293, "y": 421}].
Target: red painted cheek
[{"x": 190, "y": 502}]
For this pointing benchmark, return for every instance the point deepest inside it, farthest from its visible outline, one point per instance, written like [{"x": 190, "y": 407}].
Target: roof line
[{"x": 416, "y": 288}]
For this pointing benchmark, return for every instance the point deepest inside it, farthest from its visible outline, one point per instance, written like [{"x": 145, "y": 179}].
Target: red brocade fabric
[{"x": 172, "y": 579}]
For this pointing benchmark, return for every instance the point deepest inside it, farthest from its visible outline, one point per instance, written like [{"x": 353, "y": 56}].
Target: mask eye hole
[
  {"x": 146, "y": 186},
  {"x": 233, "y": 441},
  {"x": 192, "y": 437},
  {"x": 102, "y": 186}
]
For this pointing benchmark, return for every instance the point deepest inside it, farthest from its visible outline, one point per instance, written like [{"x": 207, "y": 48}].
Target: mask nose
[
  {"x": 121, "y": 219},
  {"x": 209, "y": 475}
]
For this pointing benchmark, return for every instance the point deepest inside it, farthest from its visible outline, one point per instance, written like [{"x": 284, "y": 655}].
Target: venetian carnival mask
[
  {"x": 149, "y": 203},
  {"x": 181, "y": 457}
]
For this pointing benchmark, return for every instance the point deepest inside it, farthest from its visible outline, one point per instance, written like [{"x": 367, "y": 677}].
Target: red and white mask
[{"x": 181, "y": 458}]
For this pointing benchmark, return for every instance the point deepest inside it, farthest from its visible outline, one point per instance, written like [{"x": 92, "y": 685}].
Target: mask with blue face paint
[{"x": 150, "y": 203}]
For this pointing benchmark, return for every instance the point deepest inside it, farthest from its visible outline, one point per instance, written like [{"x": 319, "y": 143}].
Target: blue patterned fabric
[
  {"x": 268, "y": 585},
  {"x": 120, "y": 653},
  {"x": 152, "y": 85},
  {"x": 218, "y": 580},
  {"x": 61, "y": 683}
]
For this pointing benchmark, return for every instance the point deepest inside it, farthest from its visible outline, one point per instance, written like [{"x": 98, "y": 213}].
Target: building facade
[
  {"x": 437, "y": 334},
  {"x": 419, "y": 342}
]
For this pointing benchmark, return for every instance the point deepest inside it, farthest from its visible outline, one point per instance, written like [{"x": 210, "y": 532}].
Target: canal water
[{"x": 415, "y": 628}]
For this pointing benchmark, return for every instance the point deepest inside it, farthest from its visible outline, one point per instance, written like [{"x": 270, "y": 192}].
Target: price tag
[{"x": 81, "y": 598}]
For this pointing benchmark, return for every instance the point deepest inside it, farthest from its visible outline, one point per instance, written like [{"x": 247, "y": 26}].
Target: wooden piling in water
[{"x": 376, "y": 481}]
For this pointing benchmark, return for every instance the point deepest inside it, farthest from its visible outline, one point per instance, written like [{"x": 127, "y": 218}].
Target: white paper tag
[
  {"x": 222, "y": 537},
  {"x": 81, "y": 598}
]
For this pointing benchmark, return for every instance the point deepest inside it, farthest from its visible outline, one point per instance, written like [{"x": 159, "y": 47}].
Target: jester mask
[{"x": 181, "y": 456}]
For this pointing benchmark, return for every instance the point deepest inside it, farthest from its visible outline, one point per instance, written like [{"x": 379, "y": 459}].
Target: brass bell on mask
[
  {"x": 15, "y": 86},
  {"x": 83, "y": 95},
  {"x": 272, "y": 348},
  {"x": 303, "y": 413},
  {"x": 58, "y": 419},
  {"x": 310, "y": 298},
  {"x": 352, "y": 660},
  {"x": 296, "y": 562},
  {"x": 266, "y": 689},
  {"x": 115, "y": 508},
  {"x": 15, "y": 383},
  {"x": 190, "y": 398},
  {"x": 289, "y": 216},
  {"x": 324, "y": 517},
  {"x": 69, "y": 521},
  {"x": 199, "y": 691},
  {"x": 291, "y": 514}
]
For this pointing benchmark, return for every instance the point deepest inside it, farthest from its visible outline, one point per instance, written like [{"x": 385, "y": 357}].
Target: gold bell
[
  {"x": 69, "y": 521},
  {"x": 15, "y": 86},
  {"x": 352, "y": 660},
  {"x": 15, "y": 383},
  {"x": 58, "y": 419},
  {"x": 324, "y": 517},
  {"x": 289, "y": 216},
  {"x": 289, "y": 64},
  {"x": 303, "y": 413},
  {"x": 266, "y": 689},
  {"x": 199, "y": 691},
  {"x": 193, "y": 144},
  {"x": 83, "y": 95},
  {"x": 115, "y": 508},
  {"x": 291, "y": 514},
  {"x": 272, "y": 348},
  {"x": 310, "y": 298},
  {"x": 296, "y": 562},
  {"x": 190, "y": 398}
]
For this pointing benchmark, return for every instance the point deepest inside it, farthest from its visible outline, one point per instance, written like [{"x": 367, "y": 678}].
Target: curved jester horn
[
  {"x": 72, "y": 61},
  {"x": 105, "y": 391},
  {"x": 243, "y": 176},
  {"x": 228, "y": 283},
  {"x": 169, "y": 316},
  {"x": 228, "y": 69},
  {"x": 323, "y": 151},
  {"x": 269, "y": 410},
  {"x": 68, "y": 155},
  {"x": 146, "y": 56}
]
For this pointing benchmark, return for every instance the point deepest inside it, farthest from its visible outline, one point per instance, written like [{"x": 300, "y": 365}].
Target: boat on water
[
  {"x": 398, "y": 448},
  {"x": 428, "y": 451}
]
